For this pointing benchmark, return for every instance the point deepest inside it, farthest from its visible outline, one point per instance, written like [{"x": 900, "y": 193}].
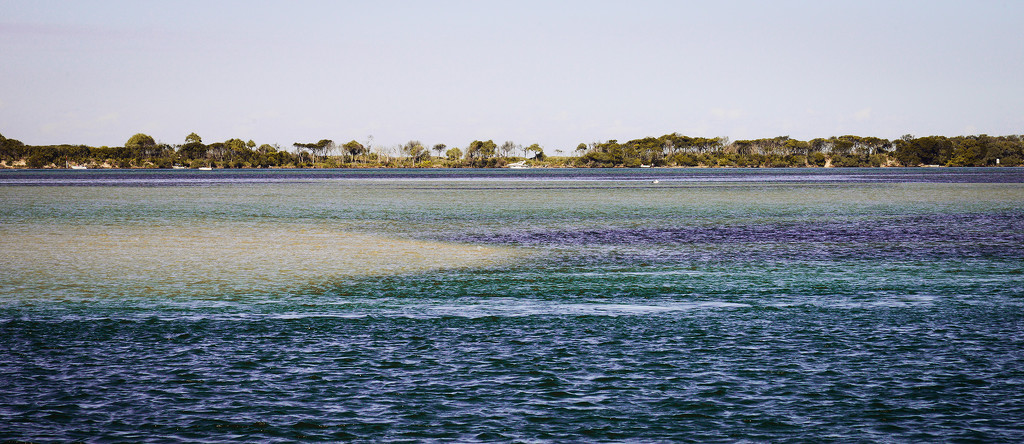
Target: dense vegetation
[{"x": 142, "y": 151}]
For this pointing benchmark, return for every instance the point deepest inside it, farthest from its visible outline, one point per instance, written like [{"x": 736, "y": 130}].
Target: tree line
[
  {"x": 838, "y": 151},
  {"x": 670, "y": 150}
]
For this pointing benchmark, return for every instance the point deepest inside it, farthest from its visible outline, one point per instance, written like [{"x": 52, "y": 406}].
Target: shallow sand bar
[{"x": 236, "y": 258}]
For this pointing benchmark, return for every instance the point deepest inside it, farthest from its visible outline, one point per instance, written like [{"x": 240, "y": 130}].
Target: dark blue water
[{"x": 837, "y": 308}]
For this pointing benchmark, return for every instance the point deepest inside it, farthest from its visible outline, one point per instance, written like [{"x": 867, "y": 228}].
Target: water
[{"x": 496, "y": 305}]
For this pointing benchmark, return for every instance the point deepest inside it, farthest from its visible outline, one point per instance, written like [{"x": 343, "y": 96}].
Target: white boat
[
  {"x": 79, "y": 167},
  {"x": 204, "y": 169},
  {"x": 178, "y": 167},
  {"x": 519, "y": 165}
]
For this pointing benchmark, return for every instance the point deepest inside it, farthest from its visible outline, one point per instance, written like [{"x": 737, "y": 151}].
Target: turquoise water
[{"x": 497, "y": 305}]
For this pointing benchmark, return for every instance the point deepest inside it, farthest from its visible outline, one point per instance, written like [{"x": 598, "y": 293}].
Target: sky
[{"x": 557, "y": 73}]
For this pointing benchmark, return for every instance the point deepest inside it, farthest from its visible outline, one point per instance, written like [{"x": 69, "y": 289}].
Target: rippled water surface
[{"x": 495, "y": 305}]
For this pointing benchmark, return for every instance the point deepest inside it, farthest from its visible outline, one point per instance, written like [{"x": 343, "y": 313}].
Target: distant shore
[
  {"x": 141, "y": 151},
  {"x": 51, "y": 167}
]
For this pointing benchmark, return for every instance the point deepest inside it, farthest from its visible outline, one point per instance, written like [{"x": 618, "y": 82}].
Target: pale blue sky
[{"x": 551, "y": 72}]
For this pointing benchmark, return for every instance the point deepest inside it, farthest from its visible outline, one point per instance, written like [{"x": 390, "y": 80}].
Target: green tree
[
  {"x": 538, "y": 152},
  {"x": 12, "y": 149},
  {"x": 931, "y": 150},
  {"x": 969, "y": 151},
  {"x": 238, "y": 153},
  {"x": 481, "y": 150},
  {"x": 415, "y": 150},
  {"x": 141, "y": 146},
  {"x": 354, "y": 149},
  {"x": 453, "y": 154},
  {"x": 320, "y": 148},
  {"x": 192, "y": 150},
  {"x": 649, "y": 150},
  {"x": 842, "y": 146},
  {"x": 217, "y": 151},
  {"x": 140, "y": 139}
]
